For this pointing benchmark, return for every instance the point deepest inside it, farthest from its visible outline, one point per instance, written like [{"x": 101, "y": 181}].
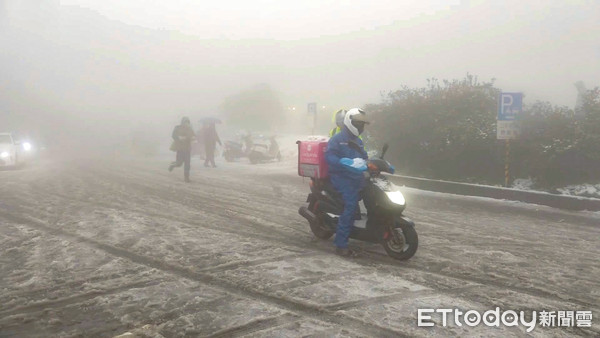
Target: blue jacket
[{"x": 339, "y": 147}]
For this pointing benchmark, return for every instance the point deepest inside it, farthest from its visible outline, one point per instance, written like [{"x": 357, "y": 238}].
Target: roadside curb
[{"x": 541, "y": 198}]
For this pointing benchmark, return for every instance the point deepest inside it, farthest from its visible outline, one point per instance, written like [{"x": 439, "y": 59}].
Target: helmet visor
[{"x": 360, "y": 126}]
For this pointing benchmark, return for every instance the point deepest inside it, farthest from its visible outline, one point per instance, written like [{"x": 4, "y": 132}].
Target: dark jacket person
[{"x": 183, "y": 135}]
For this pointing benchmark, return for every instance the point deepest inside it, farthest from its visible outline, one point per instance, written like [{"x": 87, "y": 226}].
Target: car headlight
[
  {"x": 396, "y": 197},
  {"x": 27, "y": 146},
  {"x": 4, "y": 154}
]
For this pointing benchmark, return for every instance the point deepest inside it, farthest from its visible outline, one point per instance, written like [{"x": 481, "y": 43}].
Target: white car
[{"x": 12, "y": 152}]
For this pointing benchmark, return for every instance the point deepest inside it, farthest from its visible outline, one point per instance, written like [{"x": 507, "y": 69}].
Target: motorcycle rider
[
  {"x": 273, "y": 146},
  {"x": 338, "y": 118},
  {"x": 347, "y": 157},
  {"x": 248, "y": 143}
]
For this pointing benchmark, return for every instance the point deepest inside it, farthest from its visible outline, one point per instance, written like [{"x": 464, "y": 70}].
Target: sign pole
[
  {"x": 314, "y": 122},
  {"x": 507, "y": 163},
  {"x": 510, "y": 107},
  {"x": 312, "y": 109}
]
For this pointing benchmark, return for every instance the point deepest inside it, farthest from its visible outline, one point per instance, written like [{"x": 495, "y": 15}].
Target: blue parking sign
[{"x": 510, "y": 106}]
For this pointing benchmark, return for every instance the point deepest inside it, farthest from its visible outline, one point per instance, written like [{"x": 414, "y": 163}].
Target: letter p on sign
[{"x": 510, "y": 106}]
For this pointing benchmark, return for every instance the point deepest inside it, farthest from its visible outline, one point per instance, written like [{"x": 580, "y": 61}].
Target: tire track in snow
[
  {"x": 256, "y": 325},
  {"x": 64, "y": 301}
]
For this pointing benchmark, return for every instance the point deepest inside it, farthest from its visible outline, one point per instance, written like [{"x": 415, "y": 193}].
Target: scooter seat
[{"x": 331, "y": 191}]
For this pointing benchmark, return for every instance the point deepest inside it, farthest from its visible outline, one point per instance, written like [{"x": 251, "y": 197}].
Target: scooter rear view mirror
[{"x": 385, "y": 148}]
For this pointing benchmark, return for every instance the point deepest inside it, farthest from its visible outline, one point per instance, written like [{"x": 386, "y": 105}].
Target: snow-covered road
[{"x": 100, "y": 248}]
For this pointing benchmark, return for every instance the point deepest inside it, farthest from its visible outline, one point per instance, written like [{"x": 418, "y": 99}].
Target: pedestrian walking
[
  {"x": 211, "y": 138},
  {"x": 183, "y": 134}
]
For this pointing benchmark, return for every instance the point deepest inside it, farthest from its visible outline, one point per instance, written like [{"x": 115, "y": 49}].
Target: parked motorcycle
[
  {"x": 261, "y": 153},
  {"x": 233, "y": 150},
  {"x": 384, "y": 222}
]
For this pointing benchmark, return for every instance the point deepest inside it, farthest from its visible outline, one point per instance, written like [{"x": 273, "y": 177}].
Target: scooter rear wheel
[
  {"x": 320, "y": 230},
  {"x": 318, "y": 227},
  {"x": 401, "y": 242}
]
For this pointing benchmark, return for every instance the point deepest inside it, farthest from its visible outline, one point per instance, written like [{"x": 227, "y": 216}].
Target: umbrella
[{"x": 210, "y": 120}]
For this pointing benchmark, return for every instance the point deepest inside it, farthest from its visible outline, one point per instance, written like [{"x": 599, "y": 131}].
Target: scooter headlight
[
  {"x": 4, "y": 154},
  {"x": 27, "y": 146},
  {"x": 396, "y": 197}
]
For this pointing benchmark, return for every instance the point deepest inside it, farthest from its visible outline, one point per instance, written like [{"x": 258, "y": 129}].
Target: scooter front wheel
[{"x": 401, "y": 242}]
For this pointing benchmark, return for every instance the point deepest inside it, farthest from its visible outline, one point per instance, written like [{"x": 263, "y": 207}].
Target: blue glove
[
  {"x": 357, "y": 165},
  {"x": 392, "y": 169}
]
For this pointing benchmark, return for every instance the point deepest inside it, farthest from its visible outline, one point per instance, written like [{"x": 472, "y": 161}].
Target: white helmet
[{"x": 355, "y": 121}]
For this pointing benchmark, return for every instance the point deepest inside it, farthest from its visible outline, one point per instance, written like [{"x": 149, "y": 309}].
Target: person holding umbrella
[{"x": 211, "y": 138}]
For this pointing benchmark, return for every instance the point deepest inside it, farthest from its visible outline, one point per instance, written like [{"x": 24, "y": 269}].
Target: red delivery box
[{"x": 311, "y": 158}]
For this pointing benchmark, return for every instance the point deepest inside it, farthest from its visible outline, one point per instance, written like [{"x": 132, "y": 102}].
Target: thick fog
[{"x": 93, "y": 71}]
